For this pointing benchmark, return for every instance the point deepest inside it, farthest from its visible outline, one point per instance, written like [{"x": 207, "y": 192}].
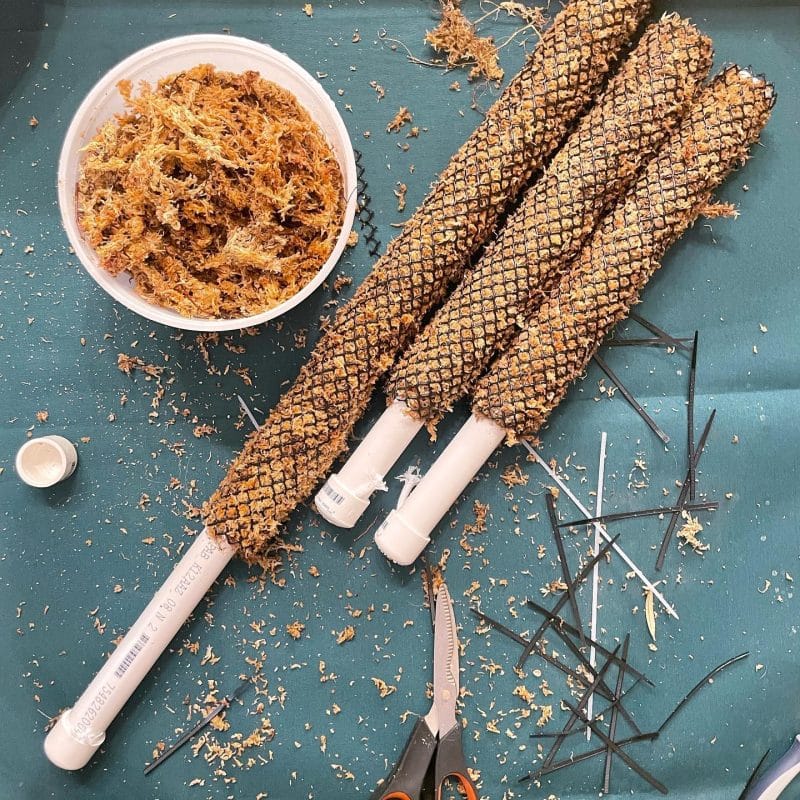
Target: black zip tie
[
  {"x": 562, "y": 556},
  {"x": 654, "y": 329},
  {"x": 604, "y": 688},
  {"x": 575, "y": 716},
  {"x": 365, "y": 212},
  {"x": 582, "y": 729},
  {"x": 562, "y": 628},
  {"x": 563, "y": 599},
  {"x": 708, "y": 679},
  {"x": 753, "y": 775},
  {"x": 224, "y": 704},
  {"x": 506, "y": 631},
  {"x": 579, "y": 757},
  {"x": 662, "y": 551},
  {"x": 543, "y": 654},
  {"x": 690, "y": 422},
  {"x": 711, "y": 505},
  {"x": 618, "y": 751},
  {"x": 614, "y": 703},
  {"x": 632, "y": 401},
  {"x": 612, "y": 728},
  {"x": 656, "y": 341}
]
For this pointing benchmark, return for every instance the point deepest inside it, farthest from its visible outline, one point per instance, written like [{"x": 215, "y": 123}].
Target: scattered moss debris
[
  {"x": 456, "y": 38},
  {"x": 479, "y": 526},
  {"x": 513, "y": 475},
  {"x": 402, "y": 117},
  {"x": 295, "y": 629},
  {"x": 688, "y": 533},
  {"x": 384, "y": 689},
  {"x": 400, "y": 194},
  {"x": 347, "y": 634},
  {"x": 129, "y": 364},
  {"x": 216, "y": 191}
]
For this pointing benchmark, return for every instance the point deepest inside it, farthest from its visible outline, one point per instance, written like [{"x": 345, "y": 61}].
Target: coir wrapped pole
[
  {"x": 526, "y": 383},
  {"x": 554, "y": 349},
  {"x": 539, "y": 239},
  {"x": 308, "y": 428}
]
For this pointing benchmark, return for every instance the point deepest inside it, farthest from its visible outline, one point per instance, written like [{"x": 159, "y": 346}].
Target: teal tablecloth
[{"x": 64, "y": 551}]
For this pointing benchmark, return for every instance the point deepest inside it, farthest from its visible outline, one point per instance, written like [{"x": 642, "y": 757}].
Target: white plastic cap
[
  {"x": 399, "y": 541},
  {"x": 46, "y": 460},
  {"x": 338, "y": 504},
  {"x": 68, "y": 751}
]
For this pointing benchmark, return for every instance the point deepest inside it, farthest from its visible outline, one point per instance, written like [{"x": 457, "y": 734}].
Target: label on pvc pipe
[{"x": 161, "y": 616}]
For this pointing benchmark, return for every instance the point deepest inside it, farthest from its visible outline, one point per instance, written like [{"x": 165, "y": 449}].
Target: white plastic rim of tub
[{"x": 232, "y": 54}]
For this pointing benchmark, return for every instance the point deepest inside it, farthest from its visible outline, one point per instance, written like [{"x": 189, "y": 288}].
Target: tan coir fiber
[
  {"x": 281, "y": 464},
  {"x": 529, "y": 381},
  {"x": 541, "y": 237}
]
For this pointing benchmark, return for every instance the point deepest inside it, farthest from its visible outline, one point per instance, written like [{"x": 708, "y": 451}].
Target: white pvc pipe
[
  {"x": 345, "y": 495},
  {"x": 405, "y": 533},
  {"x": 81, "y": 729}
]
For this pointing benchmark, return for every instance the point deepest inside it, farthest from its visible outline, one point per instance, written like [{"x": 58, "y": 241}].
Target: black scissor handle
[
  {"x": 408, "y": 776},
  {"x": 451, "y": 765}
]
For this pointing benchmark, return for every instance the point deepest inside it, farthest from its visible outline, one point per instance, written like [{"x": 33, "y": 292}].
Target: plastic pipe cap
[
  {"x": 339, "y": 505},
  {"x": 399, "y": 541},
  {"x": 68, "y": 751},
  {"x": 46, "y": 460}
]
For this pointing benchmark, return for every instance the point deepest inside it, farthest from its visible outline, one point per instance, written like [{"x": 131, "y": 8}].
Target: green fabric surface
[{"x": 64, "y": 550}]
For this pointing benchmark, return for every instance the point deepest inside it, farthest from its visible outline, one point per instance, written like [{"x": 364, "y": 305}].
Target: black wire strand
[
  {"x": 708, "y": 679},
  {"x": 662, "y": 551},
  {"x": 563, "y": 599},
  {"x": 618, "y": 751},
  {"x": 632, "y": 401},
  {"x": 690, "y": 422},
  {"x": 562, "y": 557},
  {"x": 612, "y": 728},
  {"x": 562, "y": 628},
  {"x": 645, "y": 512}
]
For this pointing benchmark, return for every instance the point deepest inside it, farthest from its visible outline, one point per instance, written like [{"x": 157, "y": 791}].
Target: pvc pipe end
[
  {"x": 68, "y": 751},
  {"x": 399, "y": 541},
  {"x": 46, "y": 460},
  {"x": 338, "y": 504}
]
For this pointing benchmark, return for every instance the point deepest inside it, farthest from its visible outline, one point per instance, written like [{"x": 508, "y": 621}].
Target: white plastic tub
[{"x": 230, "y": 53}]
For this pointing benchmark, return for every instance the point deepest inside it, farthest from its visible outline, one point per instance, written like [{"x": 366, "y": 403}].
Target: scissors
[
  {"x": 436, "y": 738},
  {"x": 772, "y": 783}
]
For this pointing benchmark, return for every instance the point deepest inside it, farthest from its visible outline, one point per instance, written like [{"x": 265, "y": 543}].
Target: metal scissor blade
[{"x": 445, "y": 662}]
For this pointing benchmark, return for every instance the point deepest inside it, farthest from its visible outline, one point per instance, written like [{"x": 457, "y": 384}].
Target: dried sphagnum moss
[
  {"x": 455, "y": 36},
  {"x": 216, "y": 191}
]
